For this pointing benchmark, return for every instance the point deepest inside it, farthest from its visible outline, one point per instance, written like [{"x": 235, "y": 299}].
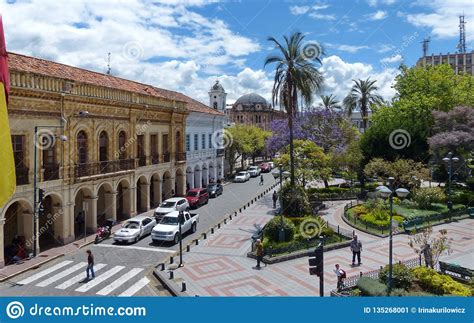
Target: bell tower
[{"x": 217, "y": 97}]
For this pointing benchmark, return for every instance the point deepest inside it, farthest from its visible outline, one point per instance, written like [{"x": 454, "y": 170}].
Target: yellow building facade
[{"x": 105, "y": 148}]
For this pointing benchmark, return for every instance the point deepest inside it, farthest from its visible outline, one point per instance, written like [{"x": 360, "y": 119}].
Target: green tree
[
  {"x": 362, "y": 95},
  {"x": 407, "y": 173},
  {"x": 310, "y": 161},
  {"x": 295, "y": 74}
]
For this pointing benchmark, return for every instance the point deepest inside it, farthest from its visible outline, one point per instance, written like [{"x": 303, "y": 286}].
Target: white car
[
  {"x": 168, "y": 228},
  {"x": 272, "y": 165},
  {"x": 254, "y": 171},
  {"x": 242, "y": 177},
  {"x": 170, "y": 205},
  {"x": 134, "y": 229}
]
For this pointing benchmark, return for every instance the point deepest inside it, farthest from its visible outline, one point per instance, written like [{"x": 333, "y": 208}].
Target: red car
[
  {"x": 265, "y": 168},
  {"x": 197, "y": 197}
]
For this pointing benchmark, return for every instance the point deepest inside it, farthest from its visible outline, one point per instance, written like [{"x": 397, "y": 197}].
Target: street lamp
[
  {"x": 282, "y": 175},
  {"x": 449, "y": 160},
  {"x": 180, "y": 222},
  {"x": 386, "y": 192}
]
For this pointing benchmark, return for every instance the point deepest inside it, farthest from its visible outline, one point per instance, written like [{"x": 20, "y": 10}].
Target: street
[{"x": 125, "y": 270}]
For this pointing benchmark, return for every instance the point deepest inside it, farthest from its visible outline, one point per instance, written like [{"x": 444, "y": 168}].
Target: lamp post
[
  {"x": 449, "y": 160},
  {"x": 180, "y": 222},
  {"x": 281, "y": 174},
  {"x": 385, "y": 192}
]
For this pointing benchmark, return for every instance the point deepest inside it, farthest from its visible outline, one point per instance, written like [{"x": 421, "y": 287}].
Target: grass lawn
[{"x": 411, "y": 213}]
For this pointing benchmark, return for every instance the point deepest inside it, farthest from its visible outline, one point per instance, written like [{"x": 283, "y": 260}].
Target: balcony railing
[
  {"x": 141, "y": 161},
  {"x": 21, "y": 175},
  {"x": 180, "y": 156},
  {"x": 104, "y": 167},
  {"x": 166, "y": 157},
  {"x": 51, "y": 172},
  {"x": 220, "y": 152}
]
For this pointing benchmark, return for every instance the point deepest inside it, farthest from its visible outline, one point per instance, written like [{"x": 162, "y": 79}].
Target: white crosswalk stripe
[
  {"x": 78, "y": 278},
  {"x": 44, "y": 272},
  {"x": 62, "y": 274},
  {"x": 99, "y": 279},
  {"x": 117, "y": 283},
  {"x": 132, "y": 290}
]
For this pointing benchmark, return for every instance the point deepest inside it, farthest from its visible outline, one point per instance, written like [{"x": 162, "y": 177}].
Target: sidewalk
[
  {"x": 13, "y": 270},
  {"x": 218, "y": 266}
]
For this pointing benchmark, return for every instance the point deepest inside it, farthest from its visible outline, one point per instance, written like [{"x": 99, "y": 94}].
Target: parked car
[
  {"x": 265, "y": 168},
  {"x": 134, "y": 229},
  {"x": 272, "y": 165},
  {"x": 242, "y": 176},
  {"x": 215, "y": 189},
  {"x": 170, "y": 205},
  {"x": 197, "y": 197},
  {"x": 168, "y": 228},
  {"x": 254, "y": 171}
]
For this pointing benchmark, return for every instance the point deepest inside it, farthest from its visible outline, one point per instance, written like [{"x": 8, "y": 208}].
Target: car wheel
[
  {"x": 187, "y": 209},
  {"x": 176, "y": 238},
  {"x": 193, "y": 228},
  {"x": 136, "y": 239}
]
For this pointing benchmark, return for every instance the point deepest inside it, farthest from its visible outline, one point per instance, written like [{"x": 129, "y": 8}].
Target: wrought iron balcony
[
  {"x": 180, "y": 157},
  {"x": 155, "y": 159},
  {"x": 166, "y": 157},
  {"x": 220, "y": 152},
  {"x": 141, "y": 161},
  {"x": 51, "y": 172},
  {"x": 104, "y": 167},
  {"x": 21, "y": 175}
]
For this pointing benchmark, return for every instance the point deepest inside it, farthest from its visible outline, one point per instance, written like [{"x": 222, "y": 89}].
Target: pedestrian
[
  {"x": 356, "y": 248},
  {"x": 341, "y": 275},
  {"x": 90, "y": 264},
  {"x": 259, "y": 251},
  {"x": 261, "y": 179},
  {"x": 275, "y": 199}
]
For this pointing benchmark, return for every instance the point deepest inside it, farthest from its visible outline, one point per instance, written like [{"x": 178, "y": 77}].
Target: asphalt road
[{"x": 126, "y": 270}]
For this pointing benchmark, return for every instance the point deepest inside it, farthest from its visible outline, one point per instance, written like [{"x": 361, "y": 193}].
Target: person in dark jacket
[
  {"x": 90, "y": 264},
  {"x": 356, "y": 248}
]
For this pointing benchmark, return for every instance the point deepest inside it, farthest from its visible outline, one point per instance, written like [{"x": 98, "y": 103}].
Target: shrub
[
  {"x": 379, "y": 218},
  {"x": 273, "y": 227},
  {"x": 470, "y": 183},
  {"x": 294, "y": 200},
  {"x": 371, "y": 287},
  {"x": 425, "y": 196},
  {"x": 440, "y": 284},
  {"x": 376, "y": 204},
  {"x": 466, "y": 198},
  {"x": 359, "y": 210},
  {"x": 402, "y": 277}
]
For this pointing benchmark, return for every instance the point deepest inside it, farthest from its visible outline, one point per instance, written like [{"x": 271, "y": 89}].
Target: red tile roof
[{"x": 48, "y": 68}]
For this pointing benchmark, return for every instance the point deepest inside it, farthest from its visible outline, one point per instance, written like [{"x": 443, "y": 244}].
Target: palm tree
[
  {"x": 295, "y": 74},
  {"x": 330, "y": 102},
  {"x": 363, "y": 95}
]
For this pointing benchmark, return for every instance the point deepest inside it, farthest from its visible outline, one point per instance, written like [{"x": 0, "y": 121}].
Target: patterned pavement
[{"x": 218, "y": 266}]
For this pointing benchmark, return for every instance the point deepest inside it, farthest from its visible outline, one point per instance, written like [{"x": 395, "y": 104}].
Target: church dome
[
  {"x": 217, "y": 87},
  {"x": 251, "y": 99}
]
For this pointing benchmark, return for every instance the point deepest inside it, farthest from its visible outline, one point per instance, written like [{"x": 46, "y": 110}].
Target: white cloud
[
  {"x": 338, "y": 76},
  {"x": 378, "y": 15},
  {"x": 347, "y": 48},
  {"x": 375, "y": 3},
  {"x": 392, "y": 59},
  {"x": 383, "y": 48},
  {"x": 321, "y": 16},
  {"x": 444, "y": 18},
  {"x": 299, "y": 10}
]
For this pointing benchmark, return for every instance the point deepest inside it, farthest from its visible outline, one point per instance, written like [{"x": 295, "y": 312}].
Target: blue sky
[{"x": 186, "y": 45}]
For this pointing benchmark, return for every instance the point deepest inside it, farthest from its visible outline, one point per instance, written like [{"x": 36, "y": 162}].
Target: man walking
[
  {"x": 261, "y": 179},
  {"x": 259, "y": 251},
  {"x": 275, "y": 199},
  {"x": 90, "y": 264},
  {"x": 356, "y": 248},
  {"x": 341, "y": 275}
]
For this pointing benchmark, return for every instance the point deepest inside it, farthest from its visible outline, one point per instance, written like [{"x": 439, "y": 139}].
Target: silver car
[{"x": 134, "y": 229}]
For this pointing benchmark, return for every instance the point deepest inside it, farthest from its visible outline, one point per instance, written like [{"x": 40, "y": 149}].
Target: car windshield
[
  {"x": 212, "y": 187},
  {"x": 169, "y": 220},
  {"x": 132, "y": 225},
  {"x": 253, "y": 167},
  {"x": 167, "y": 204},
  {"x": 192, "y": 193},
  {"x": 241, "y": 174}
]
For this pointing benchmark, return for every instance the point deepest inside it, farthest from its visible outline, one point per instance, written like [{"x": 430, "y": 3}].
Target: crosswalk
[{"x": 110, "y": 280}]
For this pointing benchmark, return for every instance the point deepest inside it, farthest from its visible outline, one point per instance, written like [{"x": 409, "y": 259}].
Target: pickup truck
[{"x": 168, "y": 228}]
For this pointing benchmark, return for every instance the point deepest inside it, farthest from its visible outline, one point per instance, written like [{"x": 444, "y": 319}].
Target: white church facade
[{"x": 204, "y": 129}]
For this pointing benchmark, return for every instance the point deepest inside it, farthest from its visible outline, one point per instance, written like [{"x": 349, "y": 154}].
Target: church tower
[{"x": 217, "y": 97}]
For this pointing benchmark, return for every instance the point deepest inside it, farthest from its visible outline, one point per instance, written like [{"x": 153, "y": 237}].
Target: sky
[{"x": 186, "y": 45}]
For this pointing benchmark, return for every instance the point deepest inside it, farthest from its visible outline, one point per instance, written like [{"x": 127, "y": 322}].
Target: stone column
[
  {"x": 91, "y": 213},
  {"x": 111, "y": 205},
  {"x": 145, "y": 196},
  {"x": 131, "y": 202},
  {"x": 2, "y": 246},
  {"x": 71, "y": 221}
]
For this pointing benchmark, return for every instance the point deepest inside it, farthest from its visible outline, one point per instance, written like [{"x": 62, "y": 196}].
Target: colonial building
[
  {"x": 105, "y": 147},
  {"x": 204, "y": 131},
  {"x": 358, "y": 121},
  {"x": 253, "y": 109}
]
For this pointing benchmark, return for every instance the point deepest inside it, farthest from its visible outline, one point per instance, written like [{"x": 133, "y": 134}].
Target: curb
[{"x": 32, "y": 267}]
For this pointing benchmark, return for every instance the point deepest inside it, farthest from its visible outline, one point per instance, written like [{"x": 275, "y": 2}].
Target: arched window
[
  {"x": 81, "y": 147},
  {"x": 121, "y": 145},
  {"x": 103, "y": 145}
]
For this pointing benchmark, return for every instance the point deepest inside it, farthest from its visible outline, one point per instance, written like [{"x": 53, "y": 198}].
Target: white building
[
  {"x": 204, "y": 131},
  {"x": 358, "y": 122}
]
